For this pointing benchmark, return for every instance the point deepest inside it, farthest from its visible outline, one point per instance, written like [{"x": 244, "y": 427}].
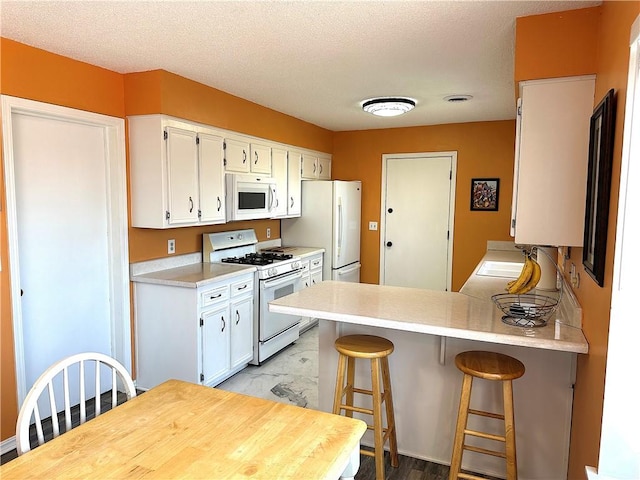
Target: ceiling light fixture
[{"x": 388, "y": 106}]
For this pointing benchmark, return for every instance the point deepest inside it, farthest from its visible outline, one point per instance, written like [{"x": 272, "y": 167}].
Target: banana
[
  {"x": 510, "y": 284},
  {"x": 533, "y": 281},
  {"x": 524, "y": 277}
]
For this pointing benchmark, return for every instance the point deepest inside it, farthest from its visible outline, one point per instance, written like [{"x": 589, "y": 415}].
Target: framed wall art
[
  {"x": 598, "y": 187},
  {"x": 485, "y": 193}
]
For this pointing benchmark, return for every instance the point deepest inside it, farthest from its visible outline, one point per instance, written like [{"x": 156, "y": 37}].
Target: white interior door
[
  {"x": 417, "y": 220},
  {"x": 66, "y": 209}
]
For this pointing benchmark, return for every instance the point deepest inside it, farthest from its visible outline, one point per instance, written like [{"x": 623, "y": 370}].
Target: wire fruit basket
[{"x": 526, "y": 310}]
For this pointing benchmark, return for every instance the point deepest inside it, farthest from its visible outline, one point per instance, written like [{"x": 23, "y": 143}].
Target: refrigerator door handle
[
  {"x": 339, "y": 226},
  {"x": 346, "y": 271}
]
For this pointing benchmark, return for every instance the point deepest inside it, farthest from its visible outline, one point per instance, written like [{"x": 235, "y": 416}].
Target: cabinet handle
[
  {"x": 243, "y": 287},
  {"x": 223, "y": 324},
  {"x": 211, "y": 297},
  {"x": 314, "y": 168},
  {"x": 291, "y": 202},
  {"x": 219, "y": 204},
  {"x": 256, "y": 160},
  {"x": 320, "y": 169},
  {"x": 237, "y": 317},
  {"x": 190, "y": 204},
  {"x": 244, "y": 156},
  {"x": 306, "y": 284},
  {"x": 313, "y": 281}
]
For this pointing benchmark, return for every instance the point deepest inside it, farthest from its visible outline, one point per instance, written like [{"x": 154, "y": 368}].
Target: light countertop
[
  {"x": 194, "y": 275},
  {"x": 449, "y": 314}
]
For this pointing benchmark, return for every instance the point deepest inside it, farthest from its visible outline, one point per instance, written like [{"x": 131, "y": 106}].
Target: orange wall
[
  {"x": 559, "y": 44},
  {"x": 485, "y": 149},
  {"x": 603, "y": 49}
]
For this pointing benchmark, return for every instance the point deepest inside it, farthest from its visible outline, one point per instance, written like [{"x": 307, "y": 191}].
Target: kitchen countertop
[
  {"x": 194, "y": 275},
  {"x": 471, "y": 316}
]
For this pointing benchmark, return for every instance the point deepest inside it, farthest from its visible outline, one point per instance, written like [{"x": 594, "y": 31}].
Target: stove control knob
[
  {"x": 271, "y": 272},
  {"x": 295, "y": 265}
]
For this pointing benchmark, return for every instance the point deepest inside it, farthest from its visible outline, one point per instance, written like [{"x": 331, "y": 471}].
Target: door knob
[
  {"x": 390, "y": 210},
  {"x": 389, "y": 244}
]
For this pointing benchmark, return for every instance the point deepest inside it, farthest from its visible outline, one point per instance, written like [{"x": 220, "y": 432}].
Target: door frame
[
  {"x": 453, "y": 155},
  {"x": 117, "y": 228}
]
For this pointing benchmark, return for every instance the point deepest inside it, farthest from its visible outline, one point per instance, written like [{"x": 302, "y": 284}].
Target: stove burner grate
[{"x": 265, "y": 258}]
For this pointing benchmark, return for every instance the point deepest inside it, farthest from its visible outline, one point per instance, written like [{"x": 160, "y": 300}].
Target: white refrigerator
[{"x": 330, "y": 220}]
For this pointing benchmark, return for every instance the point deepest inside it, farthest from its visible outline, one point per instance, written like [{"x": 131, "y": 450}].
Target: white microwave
[{"x": 250, "y": 196}]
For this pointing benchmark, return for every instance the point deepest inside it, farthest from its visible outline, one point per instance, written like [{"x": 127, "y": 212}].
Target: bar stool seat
[
  {"x": 377, "y": 350},
  {"x": 489, "y": 366}
]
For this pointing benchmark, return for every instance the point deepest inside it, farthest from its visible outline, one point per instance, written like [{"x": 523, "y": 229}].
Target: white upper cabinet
[
  {"x": 182, "y": 176},
  {"x": 316, "y": 167},
  {"x": 173, "y": 176},
  {"x": 279, "y": 172},
  {"x": 294, "y": 184},
  {"x": 552, "y": 152},
  {"x": 212, "y": 188},
  {"x": 236, "y": 156},
  {"x": 285, "y": 165},
  {"x": 243, "y": 156},
  {"x": 260, "y": 158}
]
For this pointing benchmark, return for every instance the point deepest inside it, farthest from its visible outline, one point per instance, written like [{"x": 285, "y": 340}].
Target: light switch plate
[{"x": 373, "y": 225}]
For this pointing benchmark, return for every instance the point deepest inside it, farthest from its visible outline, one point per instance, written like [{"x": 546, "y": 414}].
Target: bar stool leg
[
  {"x": 337, "y": 396},
  {"x": 377, "y": 418},
  {"x": 510, "y": 430},
  {"x": 351, "y": 375},
  {"x": 391, "y": 421},
  {"x": 461, "y": 425}
]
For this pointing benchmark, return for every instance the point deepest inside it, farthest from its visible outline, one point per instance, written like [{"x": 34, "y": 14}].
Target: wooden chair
[{"x": 59, "y": 375}]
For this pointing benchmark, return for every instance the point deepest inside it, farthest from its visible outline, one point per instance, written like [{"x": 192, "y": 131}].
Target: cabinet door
[
  {"x": 324, "y": 168},
  {"x": 553, "y": 148},
  {"x": 279, "y": 172},
  {"x": 260, "y": 158},
  {"x": 182, "y": 179},
  {"x": 316, "y": 277},
  {"x": 309, "y": 166},
  {"x": 211, "y": 155},
  {"x": 215, "y": 337},
  {"x": 241, "y": 331},
  {"x": 236, "y": 155},
  {"x": 294, "y": 184}
]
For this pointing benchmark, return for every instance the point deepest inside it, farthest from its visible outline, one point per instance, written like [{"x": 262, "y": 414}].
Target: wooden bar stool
[
  {"x": 377, "y": 350},
  {"x": 490, "y": 366}
]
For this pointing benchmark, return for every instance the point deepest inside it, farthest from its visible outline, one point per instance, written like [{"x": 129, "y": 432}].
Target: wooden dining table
[{"x": 180, "y": 430}]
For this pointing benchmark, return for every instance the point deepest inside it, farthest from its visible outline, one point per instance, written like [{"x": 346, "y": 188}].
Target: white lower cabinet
[
  {"x": 311, "y": 274},
  {"x": 201, "y": 335}
]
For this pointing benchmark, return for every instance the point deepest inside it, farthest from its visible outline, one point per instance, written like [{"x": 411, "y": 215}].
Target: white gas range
[{"x": 277, "y": 275}]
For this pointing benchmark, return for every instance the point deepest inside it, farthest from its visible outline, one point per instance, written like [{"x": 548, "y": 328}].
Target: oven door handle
[{"x": 281, "y": 280}]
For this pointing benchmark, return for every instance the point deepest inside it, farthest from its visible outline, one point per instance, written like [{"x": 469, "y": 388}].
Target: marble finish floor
[{"x": 290, "y": 376}]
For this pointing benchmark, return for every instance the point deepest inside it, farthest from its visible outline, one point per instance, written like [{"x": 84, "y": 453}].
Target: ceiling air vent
[{"x": 458, "y": 98}]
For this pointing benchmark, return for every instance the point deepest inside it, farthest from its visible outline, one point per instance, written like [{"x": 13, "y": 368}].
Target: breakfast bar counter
[
  {"x": 428, "y": 329},
  {"x": 447, "y": 314}
]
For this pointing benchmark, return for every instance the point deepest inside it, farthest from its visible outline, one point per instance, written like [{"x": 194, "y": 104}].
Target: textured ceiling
[{"x": 314, "y": 60}]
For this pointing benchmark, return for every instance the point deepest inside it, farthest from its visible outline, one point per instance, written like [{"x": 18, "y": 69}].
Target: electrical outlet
[
  {"x": 373, "y": 225},
  {"x": 171, "y": 246},
  {"x": 268, "y": 233}
]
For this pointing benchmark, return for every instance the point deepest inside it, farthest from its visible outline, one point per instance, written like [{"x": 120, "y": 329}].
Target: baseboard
[{"x": 7, "y": 445}]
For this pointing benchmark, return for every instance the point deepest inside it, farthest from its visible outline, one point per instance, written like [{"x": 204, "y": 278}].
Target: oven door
[{"x": 271, "y": 324}]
